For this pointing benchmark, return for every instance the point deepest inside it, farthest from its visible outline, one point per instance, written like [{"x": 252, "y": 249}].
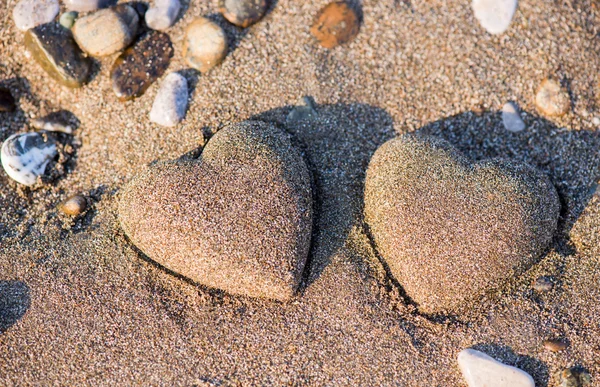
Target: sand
[{"x": 96, "y": 312}]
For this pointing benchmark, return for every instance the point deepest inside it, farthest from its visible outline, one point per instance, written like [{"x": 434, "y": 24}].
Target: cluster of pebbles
[{"x": 414, "y": 184}]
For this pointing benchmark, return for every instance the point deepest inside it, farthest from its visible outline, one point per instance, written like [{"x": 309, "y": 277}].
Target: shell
[{"x": 25, "y": 156}]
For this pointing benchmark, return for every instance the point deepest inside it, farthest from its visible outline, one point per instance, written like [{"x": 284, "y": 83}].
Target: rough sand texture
[
  {"x": 99, "y": 314},
  {"x": 449, "y": 230}
]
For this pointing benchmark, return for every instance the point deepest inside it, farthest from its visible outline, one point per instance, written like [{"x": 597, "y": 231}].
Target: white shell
[
  {"x": 511, "y": 118},
  {"x": 24, "y": 156},
  {"x": 163, "y": 14},
  {"x": 494, "y": 15},
  {"x": 31, "y": 13},
  {"x": 480, "y": 370},
  {"x": 171, "y": 101}
]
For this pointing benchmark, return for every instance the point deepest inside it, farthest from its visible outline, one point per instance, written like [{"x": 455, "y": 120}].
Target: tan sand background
[{"x": 98, "y": 313}]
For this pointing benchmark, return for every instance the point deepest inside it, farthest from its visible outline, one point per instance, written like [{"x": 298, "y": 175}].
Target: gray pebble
[
  {"x": 511, "y": 118},
  {"x": 543, "y": 284},
  {"x": 305, "y": 109},
  {"x": 171, "y": 101},
  {"x": 31, "y": 13},
  {"x": 163, "y": 14}
]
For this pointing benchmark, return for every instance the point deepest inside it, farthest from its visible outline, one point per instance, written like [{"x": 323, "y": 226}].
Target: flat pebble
[
  {"x": 26, "y": 155},
  {"x": 481, "y": 370},
  {"x": 74, "y": 205},
  {"x": 494, "y": 15},
  {"x": 7, "y": 101},
  {"x": 88, "y": 5},
  {"x": 140, "y": 65},
  {"x": 171, "y": 101},
  {"x": 336, "y": 23},
  {"x": 511, "y": 118},
  {"x": 551, "y": 99},
  {"x": 107, "y": 31},
  {"x": 243, "y": 13},
  {"x": 163, "y": 14},
  {"x": 304, "y": 110},
  {"x": 543, "y": 284},
  {"x": 67, "y": 19},
  {"x": 31, "y": 13},
  {"x": 204, "y": 45},
  {"x": 54, "y": 49},
  {"x": 555, "y": 345}
]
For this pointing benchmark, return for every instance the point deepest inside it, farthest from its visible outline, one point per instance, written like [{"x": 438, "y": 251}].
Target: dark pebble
[
  {"x": 243, "y": 13},
  {"x": 140, "y": 65},
  {"x": 53, "y": 47},
  {"x": 7, "y": 102}
]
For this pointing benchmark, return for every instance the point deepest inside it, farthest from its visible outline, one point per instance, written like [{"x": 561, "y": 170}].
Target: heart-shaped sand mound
[
  {"x": 450, "y": 229},
  {"x": 238, "y": 218}
]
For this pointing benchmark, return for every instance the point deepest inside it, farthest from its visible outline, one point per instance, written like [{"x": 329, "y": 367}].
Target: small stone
[
  {"x": 88, "y": 5},
  {"x": 67, "y": 19},
  {"x": 543, "y": 284},
  {"x": 53, "y": 47},
  {"x": 304, "y": 110},
  {"x": 74, "y": 205},
  {"x": 511, "y": 118},
  {"x": 337, "y": 23},
  {"x": 555, "y": 345},
  {"x": 31, "y": 13},
  {"x": 480, "y": 370},
  {"x": 163, "y": 14},
  {"x": 25, "y": 156},
  {"x": 494, "y": 15},
  {"x": 7, "y": 101},
  {"x": 53, "y": 122},
  {"x": 596, "y": 121},
  {"x": 140, "y": 65},
  {"x": 171, "y": 101},
  {"x": 107, "y": 31},
  {"x": 243, "y": 13},
  {"x": 551, "y": 99},
  {"x": 572, "y": 377},
  {"x": 204, "y": 45}
]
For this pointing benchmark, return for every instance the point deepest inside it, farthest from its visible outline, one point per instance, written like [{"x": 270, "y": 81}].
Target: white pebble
[
  {"x": 596, "y": 121},
  {"x": 31, "y": 13},
  {"x": 163, "y": 14},
  {"x": 24, "y": 156},
  {"x": 87, "y": 5},
  {"x": 511, "y": 118},
  {"x": 494, "y": 15},
  {"x": 480, "y": 370},
  {"x": 171, "y": 101}
]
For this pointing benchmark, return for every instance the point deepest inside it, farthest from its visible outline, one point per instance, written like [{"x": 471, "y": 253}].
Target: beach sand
[{"x": 82, "y": 306}]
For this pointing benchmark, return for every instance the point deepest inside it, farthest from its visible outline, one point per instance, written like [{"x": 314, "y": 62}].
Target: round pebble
[
  {"x": 551, "y": 99},
  {"x": 511, "y": 118},
  {"x": 543, "y": 284},
  {"x": 171, "y": 101},
  {"x": 74, "y": 205},
  {"x": 31, "y": 13},
  {"x": 163, "y": 14},
  {"x": 555, "y": 345},
  {"x": 337, "y": 23},
  {"x": 243, "y": 13},
  {"x": 25, "y": 156},
  {"x": 67, "y": 19},
  {"x": 494, "y": 15},
  {"x": 7, "y": 101},
  {"x": 204, "y": 45}
]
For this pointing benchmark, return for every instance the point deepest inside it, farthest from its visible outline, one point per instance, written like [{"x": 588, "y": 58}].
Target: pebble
[
  {"x": 74, "y": 205},
  {"x": 88, "y": 5},
  {"x": 107, "y": 31},
  {"x": 543, "y": 284},
  {"x": 171, "y": 101},
  {"x": 238, "y": 218},
  {"x": 494, "y": 15},
  {"x": 511, "y": 118},
  {"x": 53, "y": 123},
  {"x": 7, "y": 101},
  {"x": 572, "y": 377},
  {"x": 140, "y": 65},
  {"x": 67, "y": 19},
  {"x": 243, "y": 13},
  {"x": 25, "y": 155},
  {"x": 163, "y": 14},
  {"x": 596, "y": 121},
  {"x": 305, "y": 109},
  {"x": 204, "y": 45},
  {"x": 555, "y": 345},
  {"x": 53, "y": 47},
  {"x": 551, "y": 99},
  {"x": 336, "y": 23},
  {"x": 31, "y": 13},
  {"x": 481, "y": 370}
]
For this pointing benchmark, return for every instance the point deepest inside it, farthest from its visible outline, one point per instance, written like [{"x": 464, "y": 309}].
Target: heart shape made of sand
[
  {"x": 450, "y": 229},
  {"x": 238, "y": 218}
]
